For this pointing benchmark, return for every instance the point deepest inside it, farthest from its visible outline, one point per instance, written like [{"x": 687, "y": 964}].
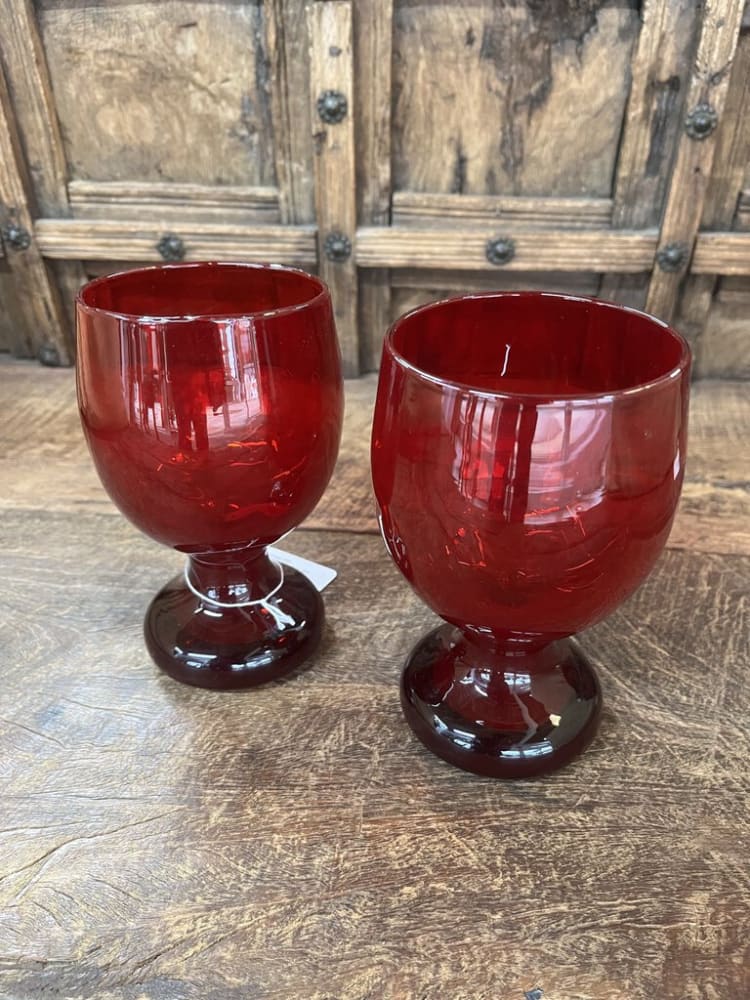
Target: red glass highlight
[
  {"x": 528, "y": 453},
  {"x": 211, "y": 399}
]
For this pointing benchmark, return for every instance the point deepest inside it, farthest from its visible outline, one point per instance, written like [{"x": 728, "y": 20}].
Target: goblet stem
[
  {"x": 234, "y": 619},
  {"x": 244, "y": 576},
  {"x": 508, "y": 708}
]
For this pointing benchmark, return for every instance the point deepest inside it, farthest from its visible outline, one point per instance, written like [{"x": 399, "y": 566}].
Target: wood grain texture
[
  {"x": 714, "y": 513},
  {"x": 25, "y": 65},
  {"x": 421, "y": 209},
  {"x": 709, "y": 82},
  {"x": 720, "y": 213},
  {"x": 373, "y": 45},
  {"x": 136, "y": 239},
  {"x": 201, "y": 64},
  {"x": 466, "y": 116},
  {"x": 334, "y": 168},
  {"x": 743, "y": 210},
  {"x": 38, "y": 320},
  {"x": 288, "y": 46},
  {"x": 173, "y": 202},
  {"x": 9, "y": 311},
  {"x": 373, "y": 40},
  {"x": 660, "y": 70},
  {"x": 294, "y": 842},
  {"x": 445, "y": 284},
  {"x": 732, "y": 155},
  {"x": 499, "y": 98},
  {"x": 416, "y": 288},
  {"x": 32, "y": 106},
  {"x": 722, "y": 253},
  {"x": 654, "y": 113},
  {"x": 535, "y": 249},
  {"x": 375, "y": 312},
  {"x": 724, "y": 345}
]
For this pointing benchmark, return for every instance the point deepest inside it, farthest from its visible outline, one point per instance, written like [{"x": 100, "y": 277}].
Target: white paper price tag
[{"x": 320, "y": 576}]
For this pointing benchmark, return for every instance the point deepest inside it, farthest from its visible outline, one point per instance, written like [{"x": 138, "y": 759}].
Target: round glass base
[
  {"x": 211, "y": 645},
  {"x": 504, "y": 713}
]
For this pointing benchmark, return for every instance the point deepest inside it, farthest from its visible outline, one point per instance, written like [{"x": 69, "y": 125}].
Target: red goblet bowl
[
  {"x": 211, "y": 400},
  {"x": 527, "y": 456}
]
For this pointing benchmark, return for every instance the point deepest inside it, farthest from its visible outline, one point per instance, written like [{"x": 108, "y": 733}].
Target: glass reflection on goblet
[
  {"x": 211, "y": 399},
  {"x": 527, "y": 458}
]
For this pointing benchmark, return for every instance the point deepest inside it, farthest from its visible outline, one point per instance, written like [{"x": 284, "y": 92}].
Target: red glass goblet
[
  {"x": 527, "y": 457},
  {"x": 211, "y": 399}
]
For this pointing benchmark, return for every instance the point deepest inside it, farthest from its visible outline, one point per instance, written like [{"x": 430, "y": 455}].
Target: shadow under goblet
[
  {"x": 527, "y": 455},
  {"x": 211, "y": 400}
]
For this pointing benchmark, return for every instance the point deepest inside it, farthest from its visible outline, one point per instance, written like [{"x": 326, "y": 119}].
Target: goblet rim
[
  {"x": 675, "y": 373},
  {"x": 322, "y": 293}
]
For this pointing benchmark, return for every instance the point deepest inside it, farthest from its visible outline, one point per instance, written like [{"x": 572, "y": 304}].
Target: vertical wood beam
[
  {"x": 33, "y": 103},
  {"x": 331, "y": 70},
  {"x": 653, "y": 118},
  {"x": 38, "y": 322},
  {"x": 289, "y": 54},
  {"x": 709, "y": 82},
  {"x": 724, "y": 188},
  {"x": 373, "y": 34},
  {"x": 651, "y": 128}
]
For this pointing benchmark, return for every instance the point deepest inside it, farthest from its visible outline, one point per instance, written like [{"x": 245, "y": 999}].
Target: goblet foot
[
  {"x": 500, "y": 712},
  {"x": 212, "y": 645}
]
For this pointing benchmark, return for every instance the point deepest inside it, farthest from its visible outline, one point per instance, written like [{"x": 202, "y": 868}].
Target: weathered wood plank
[
  {"x": 331, "y": 69},
  {"x": 9, "y": 310},
  {"x": 709, "y": 81},
  {"x": 177, "y": 202},
  {"x": 734, "y": 289},
  {"x": 423, "y": 208},
  {"x": 724, "y": 345},
  {"x": 732, "y": 155},
  {"x": 716, "y": 494},
  {"x": 373, "y": 31},
  {"x": 660, "y": 71},
  {"x": 720, "y": 208},
  {"x": 135, "y": 239},
  {"x": 38, "y": 322},
  {"x": 498, "y": 99},
  {"x": 411, "y": 288},
  {"x": 271, "y": 822},
  {"x": 743, "y": 211},
  {"x": 653, "y": 119},
  {"x": 722, "y": 253},
  {"x": 375, "y": 311},
  {"x": 373, "y": 36},
  {"x": 33, "y": 102},
  {"x": 545, "y": 250},
  {"x": 174, "y": 91},
  {"x": 25, "y": 63},
  {"x": 443, "y": 283},
  {"x": 305, "y": 809},
  {"x": 288, "y": 46}
]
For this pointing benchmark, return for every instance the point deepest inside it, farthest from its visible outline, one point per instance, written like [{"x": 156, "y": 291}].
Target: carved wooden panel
[
  {"x": 499, "y": 98},
  {"x": 170, "y": 91}
]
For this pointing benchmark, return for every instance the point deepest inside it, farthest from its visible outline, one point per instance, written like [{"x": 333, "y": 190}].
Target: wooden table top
[{"x": 295, "y": 841}]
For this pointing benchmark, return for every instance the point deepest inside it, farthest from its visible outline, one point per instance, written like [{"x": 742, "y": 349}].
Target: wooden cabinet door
[
  {"x": 149, "y": 131},
  {"x": 403, "y": 149},
  {"x": 583, "y": 147}
]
